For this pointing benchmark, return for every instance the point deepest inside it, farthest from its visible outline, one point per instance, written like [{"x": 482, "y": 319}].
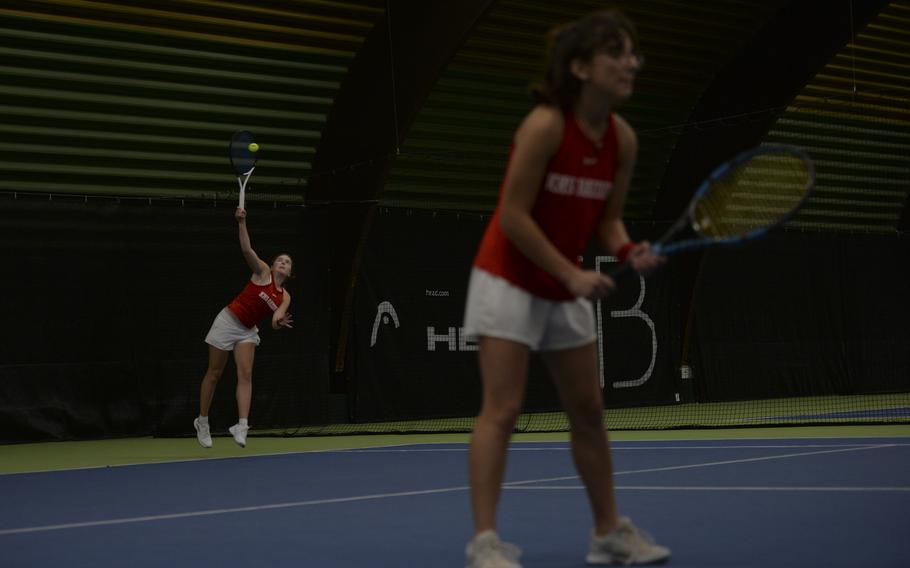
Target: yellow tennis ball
[{"x": 253, "y": 147}]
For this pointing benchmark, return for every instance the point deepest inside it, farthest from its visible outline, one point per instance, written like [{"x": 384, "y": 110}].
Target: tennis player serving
[
  {"x": 569, "y": 170},
  {"x": 234, "y": 329}
]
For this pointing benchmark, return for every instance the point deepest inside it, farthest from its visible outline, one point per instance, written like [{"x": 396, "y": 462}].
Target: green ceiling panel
[
  {"x": 455, "y": 155},
  {"x": 853, "y": 118},
  {"x": 108, "y": 98}
]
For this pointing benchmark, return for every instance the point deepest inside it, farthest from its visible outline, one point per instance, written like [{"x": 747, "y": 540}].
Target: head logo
[{"x": 385, "y": 314}]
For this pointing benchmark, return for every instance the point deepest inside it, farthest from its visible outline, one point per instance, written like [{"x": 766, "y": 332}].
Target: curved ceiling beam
[
  {"x": 755, "y": 87},
  {"x": 391, "y": 76}
]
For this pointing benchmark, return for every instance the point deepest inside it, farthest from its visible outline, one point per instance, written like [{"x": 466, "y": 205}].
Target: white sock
[
  {"x": 242, "y": 422},
  {"x": 203, "y": 419}
]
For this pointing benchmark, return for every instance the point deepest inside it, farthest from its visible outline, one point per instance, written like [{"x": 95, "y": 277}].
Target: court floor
[{"x": 725, "y": 502}]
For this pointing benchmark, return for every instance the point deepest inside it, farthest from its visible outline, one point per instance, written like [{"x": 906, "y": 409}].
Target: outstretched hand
[
  {"x": 240, "y": 215},
  {"x": 285, "y": 321}
]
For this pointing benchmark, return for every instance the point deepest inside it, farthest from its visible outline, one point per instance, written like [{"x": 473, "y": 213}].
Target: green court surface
[{"x": 49, "y": 456}]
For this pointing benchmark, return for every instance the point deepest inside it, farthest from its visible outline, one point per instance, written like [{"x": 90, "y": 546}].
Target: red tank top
[
  {"x": 254, "y": 302},
  {"x": 568, "y": 209}
]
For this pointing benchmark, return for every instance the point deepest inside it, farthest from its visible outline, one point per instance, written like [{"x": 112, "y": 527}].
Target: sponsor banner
[{"x": 413, "y": 359}]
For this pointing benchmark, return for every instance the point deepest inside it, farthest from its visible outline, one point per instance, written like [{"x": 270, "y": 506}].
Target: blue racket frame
[{"x": 662, "y": 247}]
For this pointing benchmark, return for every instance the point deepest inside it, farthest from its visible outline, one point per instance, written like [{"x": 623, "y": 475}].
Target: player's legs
[
  {"x": 575, "y": 374},
  {"x": 243, "y": 358},
  {"x": 571, "y": 356},
  {"x": 217, "y": 360},
  {"x": 503, "y": 367}
]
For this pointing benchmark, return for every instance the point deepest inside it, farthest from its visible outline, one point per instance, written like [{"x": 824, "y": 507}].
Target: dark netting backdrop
[
  {"x": 384, "y": 144},
  {"x": 800, "y": 328}
]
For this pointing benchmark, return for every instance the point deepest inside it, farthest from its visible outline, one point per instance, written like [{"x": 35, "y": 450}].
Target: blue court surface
[{"x": 725, "y": 503}]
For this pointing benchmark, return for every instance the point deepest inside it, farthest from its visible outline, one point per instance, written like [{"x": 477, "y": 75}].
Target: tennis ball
[{"x": 253, "y": 147}]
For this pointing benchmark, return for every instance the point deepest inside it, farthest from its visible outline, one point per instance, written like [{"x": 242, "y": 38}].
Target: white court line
[
  {"x": 391, "y": 448},
  {"x": 706, "y": 464},
  {"x": 746, "y": 460},
  {"x": 716, "y": 488},
  {"x": 204, "y": 459},
  {"x": 210, "y": 512},
  {"x": 511, "y": 484}
]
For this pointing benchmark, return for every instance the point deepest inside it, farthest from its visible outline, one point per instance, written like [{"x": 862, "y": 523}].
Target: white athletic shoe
[
  {"x": 203, "y": 434},
  {"x": 239, "y": 431},
  {"x": 626, "y": 545},
  {"x": 487, "y": 551}
]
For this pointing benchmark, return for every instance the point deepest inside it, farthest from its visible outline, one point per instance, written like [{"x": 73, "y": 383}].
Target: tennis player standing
[
  {"x": 234, "y": 329},
  {"x": 568, "y": 174}
]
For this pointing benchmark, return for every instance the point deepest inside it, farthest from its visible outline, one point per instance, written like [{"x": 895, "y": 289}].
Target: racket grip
[{"x": 242, "y": 202}]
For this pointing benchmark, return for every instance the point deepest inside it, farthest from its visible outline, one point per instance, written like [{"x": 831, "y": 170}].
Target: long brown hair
[{"x": 578, "y": 40}]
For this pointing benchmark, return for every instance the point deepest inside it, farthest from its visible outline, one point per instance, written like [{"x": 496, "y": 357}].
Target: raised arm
[
  {"x": 259, "y": 268},
  {"x": 536, "y": 142}
]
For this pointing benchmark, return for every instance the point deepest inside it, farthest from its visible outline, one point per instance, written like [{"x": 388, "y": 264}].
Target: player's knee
[
  {"x": 502, "y": 415},
  {"x": 244, "y": 376},
  {"x": 214, "y": 373}
]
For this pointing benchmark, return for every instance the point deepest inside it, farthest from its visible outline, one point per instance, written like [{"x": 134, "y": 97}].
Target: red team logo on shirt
[
  {"x": 254, "y": 302},
  {"x": 569, "y": 207},
  {"x": 268, "y": 300}
]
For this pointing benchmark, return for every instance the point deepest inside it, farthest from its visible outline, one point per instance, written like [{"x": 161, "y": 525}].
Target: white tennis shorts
[
  {"x": 227, "y": 331},
  {"x": 497, "y": 308}
]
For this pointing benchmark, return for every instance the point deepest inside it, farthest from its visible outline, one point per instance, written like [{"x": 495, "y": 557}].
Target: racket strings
[{"x": 757, "y": 193}]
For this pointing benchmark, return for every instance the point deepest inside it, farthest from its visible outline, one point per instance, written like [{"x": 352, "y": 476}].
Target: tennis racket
[
  {"x": 244, "y": 151},
  {"x": 742, "y": 200}
]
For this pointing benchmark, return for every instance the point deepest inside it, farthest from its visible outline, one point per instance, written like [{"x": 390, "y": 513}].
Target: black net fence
[
  {"x": 106, "y": 317},
  {"x": 800, "y": 328},
  {"x": 106, "y": 303},
  {"x": 105, "y": 300}
]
